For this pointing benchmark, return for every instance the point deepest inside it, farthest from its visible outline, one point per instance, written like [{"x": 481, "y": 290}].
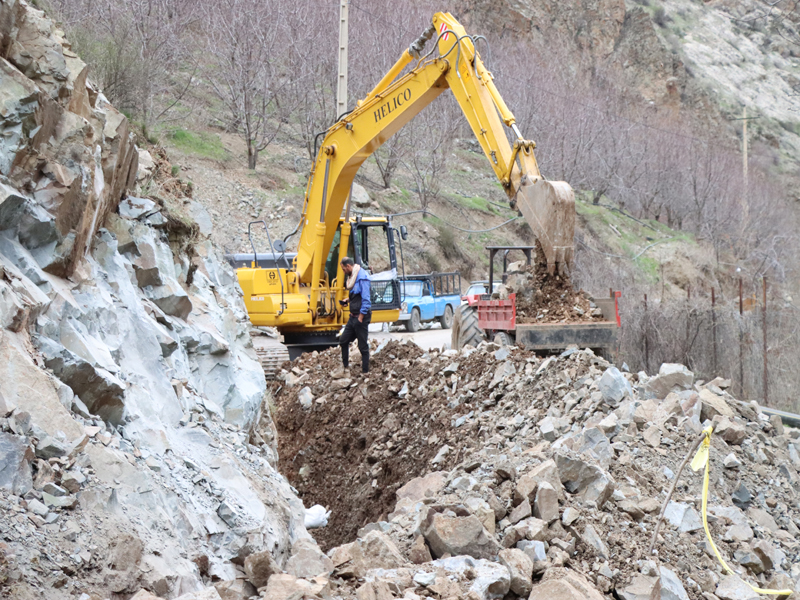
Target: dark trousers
[{"x": 356, "y": 331}]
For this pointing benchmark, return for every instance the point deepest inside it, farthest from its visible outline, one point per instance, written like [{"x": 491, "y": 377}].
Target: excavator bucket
[{"x": 549, "y": 208}]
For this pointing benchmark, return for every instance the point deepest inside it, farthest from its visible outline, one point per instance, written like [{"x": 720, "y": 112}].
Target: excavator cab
[{"x": 372, "y": 245}]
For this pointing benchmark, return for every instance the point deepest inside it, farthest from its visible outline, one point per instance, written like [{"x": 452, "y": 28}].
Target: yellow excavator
[{"x": 299, "y": 294}]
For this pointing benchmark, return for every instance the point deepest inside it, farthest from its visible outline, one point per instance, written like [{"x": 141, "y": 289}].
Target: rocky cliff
[
  {"x": 708, "y": 59},
  {"x": 590, "y": 36},
  {"x": 133, "y": 449}
]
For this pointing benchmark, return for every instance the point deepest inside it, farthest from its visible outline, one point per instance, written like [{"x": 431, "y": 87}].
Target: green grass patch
[
  {"x": 206, "y": 145},
  {"x": 434, "y": 220},
  {"x": 649, "y": 267},
  {"x": 474, "y": 203},
  {"x": 628, "y": 236}
]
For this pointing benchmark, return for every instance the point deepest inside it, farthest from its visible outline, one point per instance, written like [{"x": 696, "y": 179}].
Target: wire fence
[{"x": 754, "y": 341}]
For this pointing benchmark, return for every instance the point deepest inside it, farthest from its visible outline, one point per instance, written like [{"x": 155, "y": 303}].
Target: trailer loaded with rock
[{"x": 536, "y": 310}]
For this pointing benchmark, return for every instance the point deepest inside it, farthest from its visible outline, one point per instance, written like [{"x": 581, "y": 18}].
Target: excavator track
[{"x": 271, "y": 354}]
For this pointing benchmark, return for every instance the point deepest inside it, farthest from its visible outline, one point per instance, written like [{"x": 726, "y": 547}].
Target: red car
[{"x": 476, "y": 290}]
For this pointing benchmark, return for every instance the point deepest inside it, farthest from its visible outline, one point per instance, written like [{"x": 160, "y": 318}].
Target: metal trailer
[{"x": 486, "y": 318}]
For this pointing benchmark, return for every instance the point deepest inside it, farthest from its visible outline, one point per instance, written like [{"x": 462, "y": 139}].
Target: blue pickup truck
[{"x": 427, "y": 298}]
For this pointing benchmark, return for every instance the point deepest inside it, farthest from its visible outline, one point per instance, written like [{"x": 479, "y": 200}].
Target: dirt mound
[
  {"x": 363, "y": 438},
  {"x": 545, "y": 298}
]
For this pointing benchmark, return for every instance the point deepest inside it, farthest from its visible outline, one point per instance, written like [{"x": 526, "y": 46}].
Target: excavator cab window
[
  {"x": 332, "y": 262},
  {"x": 374, "y": 251},
  {"x": 374, "y": 247}
]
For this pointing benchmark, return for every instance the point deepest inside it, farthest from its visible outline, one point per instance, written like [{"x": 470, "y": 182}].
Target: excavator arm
[{"x": 547, "y": 206}]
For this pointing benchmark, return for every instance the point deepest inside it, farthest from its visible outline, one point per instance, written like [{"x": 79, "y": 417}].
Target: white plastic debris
[{"x": 316, "y": 517}]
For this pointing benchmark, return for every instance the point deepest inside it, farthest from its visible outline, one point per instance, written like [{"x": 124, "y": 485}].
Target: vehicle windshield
[
  {"x": 477, "y": 288},
  {"x": 411, "y": 288}
]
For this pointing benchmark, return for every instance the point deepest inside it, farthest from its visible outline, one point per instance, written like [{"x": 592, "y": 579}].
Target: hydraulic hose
[{"x": 255, "y": 256}]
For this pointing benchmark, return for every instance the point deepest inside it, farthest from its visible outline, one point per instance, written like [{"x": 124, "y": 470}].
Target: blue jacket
[{"x": 361, "y": 287}]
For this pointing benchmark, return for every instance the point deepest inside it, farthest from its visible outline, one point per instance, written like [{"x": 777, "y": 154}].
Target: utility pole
[
  {"x": 341, "y": 87},
  {"x": 745, "y": 199},
  {"x": 744, "y": 145},
  {"x": 341, "y": 80}
]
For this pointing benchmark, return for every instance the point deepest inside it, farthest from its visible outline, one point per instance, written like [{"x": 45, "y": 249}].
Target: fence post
[
  {"x": 741, "y": 343},
  {"x": 764, "y": 308},
  {"x": 688, "y": 326},
  {"x": 646, "y": 345},
  {"x": 714, "y": 327}
]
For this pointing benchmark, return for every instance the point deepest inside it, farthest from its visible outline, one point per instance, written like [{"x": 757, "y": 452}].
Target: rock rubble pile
[
  {"x": 545, "y": 298},
  {"x": 534, "y": 477}
]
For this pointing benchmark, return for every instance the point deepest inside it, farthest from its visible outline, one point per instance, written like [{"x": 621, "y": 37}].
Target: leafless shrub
[
  {"x": 136, "y": 49},
  {"x": 430, "y": 135},
  {"x": 717, "y": 341},
  {"x": 660, "y": 17}
]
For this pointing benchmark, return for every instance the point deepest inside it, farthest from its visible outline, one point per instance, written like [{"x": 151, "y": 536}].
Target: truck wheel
[
  {"x": 502, "y": 338},
  {"x": 465, "y": 331},
  {"x": 412, "y": 324},
  {"x": 446, "y": 319}
]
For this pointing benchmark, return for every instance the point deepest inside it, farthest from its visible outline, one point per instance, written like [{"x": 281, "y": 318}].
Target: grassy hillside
[{"x": 643, "y": 252}]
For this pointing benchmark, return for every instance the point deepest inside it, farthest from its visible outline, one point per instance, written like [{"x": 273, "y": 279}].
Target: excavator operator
[{"x": 358, "y": 286}]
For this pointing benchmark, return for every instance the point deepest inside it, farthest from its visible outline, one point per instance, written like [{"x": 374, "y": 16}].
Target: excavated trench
[{"x": 356, "y": 445}]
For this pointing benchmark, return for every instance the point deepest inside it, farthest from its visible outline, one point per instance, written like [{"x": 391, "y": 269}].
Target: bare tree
[
  {"x": 431, "y": 136},
  {"x": 389, "y": 157},
  {"x": 311, "y": 88},
  {"x": 243, "y": 40}
]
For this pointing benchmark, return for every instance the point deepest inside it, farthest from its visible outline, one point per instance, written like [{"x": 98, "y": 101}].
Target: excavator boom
[
  {"x": 302, "y": 300},
  {"x": 548, "y": 208}
]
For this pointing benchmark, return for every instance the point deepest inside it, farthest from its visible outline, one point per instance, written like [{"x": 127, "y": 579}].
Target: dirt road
[{"x": 435, "y": 337}]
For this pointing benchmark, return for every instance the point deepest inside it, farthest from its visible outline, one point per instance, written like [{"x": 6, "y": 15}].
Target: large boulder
[
  {"x": 671, "y": 585},
  {"x": 490, "y": 581},
  {"x": 732, "y": 587},
  {"x": 375, "y": 551},
  {"x": 520, "y": 568},
  {"x": 671, "y": 377},
  {"x": 713, "y": 405},
  {"x": 457, "y": 532},
  {"x": 101, "y": 391},
  {"x": 614, "y": 387},
  {"x": 559, "y": 583},
  {"x": 641, "y": 588},
  {"x": 528, "y": 484},
  {"x": 420, "y": 488},
  {"x": 289, "y": 587},
  {"x": 26, "y": 386},
  {"x": 588, "y": 481},
  {"x": 15, "y": 464},
  {"x": 359, "y": 196},
  {"x": 308, "y": 560},
  {"x": 259, "y": 567}
]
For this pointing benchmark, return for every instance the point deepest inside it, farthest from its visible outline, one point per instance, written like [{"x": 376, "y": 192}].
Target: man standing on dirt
[{"x": 360, "y": 313}]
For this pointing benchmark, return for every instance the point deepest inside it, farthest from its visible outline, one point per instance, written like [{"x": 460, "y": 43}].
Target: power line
[{"x": 427, "y": 212}]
